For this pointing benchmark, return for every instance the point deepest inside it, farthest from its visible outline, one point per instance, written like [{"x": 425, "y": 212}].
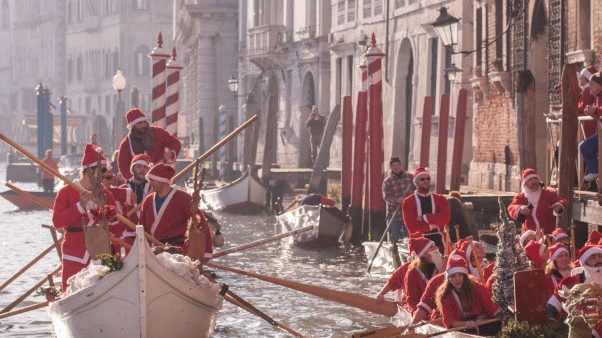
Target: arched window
[
  {"x": 142, "y": 61},
  {"x": 5, "y": 15}
]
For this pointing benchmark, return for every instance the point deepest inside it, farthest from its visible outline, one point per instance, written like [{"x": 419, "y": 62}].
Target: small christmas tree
[{"x": 509, "y": 259}]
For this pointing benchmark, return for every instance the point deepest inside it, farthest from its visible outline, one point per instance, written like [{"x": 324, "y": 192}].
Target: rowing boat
[
  {"x": 143, "y": 299},
  {"x": 25, "y": 203},
  {"x": 329, "y": 224},
  {"x": 244, "y": 195}
]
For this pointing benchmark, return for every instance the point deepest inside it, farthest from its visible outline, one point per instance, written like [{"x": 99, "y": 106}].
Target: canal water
[{"x": 340, "y": 268}]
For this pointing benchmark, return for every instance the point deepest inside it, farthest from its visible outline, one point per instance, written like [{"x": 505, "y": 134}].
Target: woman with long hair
[
  {"x": 560, "y": 266},
  {"x": 463, "y": 301}
]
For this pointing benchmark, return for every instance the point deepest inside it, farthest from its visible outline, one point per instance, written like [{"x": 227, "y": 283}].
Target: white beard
[
  {"x": 532, "y": 196},
  {"x": 593, "y": 274}
]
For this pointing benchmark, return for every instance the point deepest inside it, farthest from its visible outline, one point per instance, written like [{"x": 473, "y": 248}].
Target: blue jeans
[
  {"x": 398, "y": 229},
  {"x": 589, "y": 151}
]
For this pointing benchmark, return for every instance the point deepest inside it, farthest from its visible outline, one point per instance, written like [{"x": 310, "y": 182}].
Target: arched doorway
[
  {"x": 307, "y": 100},
  {"x": 404, "y": 108}
]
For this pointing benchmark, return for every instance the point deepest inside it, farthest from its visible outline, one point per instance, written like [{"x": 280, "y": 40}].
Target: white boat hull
[
  {"x": 384, "y": 256},
  {"x": 328, "y": 225},
  {"x": 144, "y": 299},
  {"x": 246, "y": 194}
]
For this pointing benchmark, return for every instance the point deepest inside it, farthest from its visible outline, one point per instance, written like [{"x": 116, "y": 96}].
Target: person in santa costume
[
  {"x": 561, "y": 237},
  {"x": 427, "y": 263},
  {"x": 395, "y": 282},
  {"x": 156, "y": 142},
  {"x": 462, "y": 300},
  {"x": 475, "y": 258},
  {"x": 559, "y": 266},
  {"x": 425, "y": 212},
  {"x": 536, "y": 205},
  {"x": 165, "y": 212},
  {"x": 72, "y": 208},
  {"x": 589, "y": 271},
  {"x": 537, "y": 254}
]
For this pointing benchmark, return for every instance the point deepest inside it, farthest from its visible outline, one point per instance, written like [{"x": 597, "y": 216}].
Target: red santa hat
[
  {"x": 558, "y": 233},
  {"x": 523, "y": 237},
  {"x": 528, "y": 174},
  {"x": 463, "y": 246},
  {"x": 534, "y": 250},
  {"x": 161, "y": 172},
  {"x": 140, "y": 159},
  {"x": 456, "y": 264},
  {"x": 90, "y": 158},
  {"x": 556, "y": 250},
  {"x": 134, "y": 116},
  {"x": 419, "y": 245},
  {"x": 420, "y": 172},
  {"x": 588, "y": 71},
  {"x": 594, "y": 237},
  {"x": 586, "y": 252}
]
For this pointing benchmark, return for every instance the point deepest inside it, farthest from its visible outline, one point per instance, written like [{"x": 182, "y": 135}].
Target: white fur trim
[
  {"x": 83, "y": 260},
  {"x": 94, "y": 164},
  {"x": 561, "y": 235},
  {"x": 140, "y": 119},
  {"x": 555, "y": 302},
  {"x": 541, "y": 249},
  {"x": 158, "y": 178},
  {"x": 558, "y": 252},
  {"x": 530, "y": 177},
  {"x": 524, "y": 236},
  {"x": 595, "y": 333},
  {"x": 451, "y": 271},
  {"x": 588, "y": 253},
  {"x": 558, "y": 213},
  {"x": 425, "y": 307},
  {"x": 138, "y": 162},
  {"x": 586, "y": 73}
]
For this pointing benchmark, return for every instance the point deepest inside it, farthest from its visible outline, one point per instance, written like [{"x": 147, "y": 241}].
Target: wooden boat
[
  {"x": 144, "y": 299},
  {"x": 404, "y": 317},
  {"x": 25, "y": 203},
  {"x": 244, "y": 195},
  {"x": 329, "y": 224}
]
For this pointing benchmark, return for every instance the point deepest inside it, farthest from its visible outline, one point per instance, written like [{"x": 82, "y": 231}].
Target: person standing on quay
[
  {"x": 48, "y": 178},
  {"x": 396, "y": 188},
  {"x": 156, "y": 142},
  {"x": 315, "y": 123}
]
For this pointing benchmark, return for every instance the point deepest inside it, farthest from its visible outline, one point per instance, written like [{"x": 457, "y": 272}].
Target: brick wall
[
  {"x": 495, "y": 129},
  {"x": 596, "y": 9}
]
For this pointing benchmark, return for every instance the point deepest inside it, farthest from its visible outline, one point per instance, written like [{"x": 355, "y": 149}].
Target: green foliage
[
  {"x": 114, "y": 263},
  {"x": 523, "y": 330},
  {"x": 334, "y": 193}
]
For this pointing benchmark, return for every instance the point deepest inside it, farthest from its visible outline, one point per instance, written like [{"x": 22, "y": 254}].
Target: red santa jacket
[
  {"x": 67, "y": 212},
  {"x": 587, "y": 99},
  {"x": 163, "y": 139},
  {"x": 427, "y": 301},
  {"x": 542, "y": 215},
  {"x": 412, "y": 211},
  {"x": 556, "y": 300},
  {"x": 483, "y": 304},
  {"x": 396, "y": 280},
  {"x": 552, "y": 281},
  {"x": 415, "y": 284},
  {"x": 171, "y": 221}
]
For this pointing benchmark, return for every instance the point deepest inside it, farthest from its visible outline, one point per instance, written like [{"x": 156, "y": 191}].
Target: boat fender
[{"x": 218, "y": 239}]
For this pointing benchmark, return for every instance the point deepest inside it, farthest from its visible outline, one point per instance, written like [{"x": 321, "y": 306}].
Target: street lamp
[
  {"x": 446, "y": 27},
  {"x": 233, "y": 84},
  {"x": 453, "y": 73},
  {"x": 118, "y": 123}
]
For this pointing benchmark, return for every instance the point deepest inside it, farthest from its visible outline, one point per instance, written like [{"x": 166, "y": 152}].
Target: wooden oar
[
  {"x": 262, "y": 241},
  {"x": 478, "y": 262},
  {"x": 28, "y": 292},
  {"x": 453, "y": 329},
  {"x": 365, "y": 303},
  {"x": 25, "y": 309},
  {"x": 382, "y": 238},
  {"x": 43, "y": 203},
  {"x": 238, "y": 301},
  {"x": 214, "y": 148},
  {"x": 26, "y": 267},
  {"x": 447, "y": 244},
  {"x": 379, "y": 333},
  {"x": 73, "y": 185},
  {"x": 134, "y": 210}
]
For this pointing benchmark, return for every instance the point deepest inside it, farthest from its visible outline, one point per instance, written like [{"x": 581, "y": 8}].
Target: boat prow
[
  {"x": 25, "y": 203},
  {"x": 143, "y": 299},
  {"x": 329, "y": 223},
  {"x": 244, "y": 195}
]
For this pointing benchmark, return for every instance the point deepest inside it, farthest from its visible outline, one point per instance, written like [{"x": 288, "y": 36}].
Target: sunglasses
[
  {"x": 425, "y": 178},
  {"x": 110, "y": 177}
]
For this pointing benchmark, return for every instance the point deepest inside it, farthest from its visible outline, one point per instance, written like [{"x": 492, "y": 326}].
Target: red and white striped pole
[
  {"x": 376, "y": 206},
  {"x": 359, "y": 157},
  {"x": 159, "y": 60},
  {"x": 173, "y": 94}
]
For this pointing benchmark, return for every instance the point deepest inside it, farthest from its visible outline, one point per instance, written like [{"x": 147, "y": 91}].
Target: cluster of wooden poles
[{"x": 358, "y": 301}]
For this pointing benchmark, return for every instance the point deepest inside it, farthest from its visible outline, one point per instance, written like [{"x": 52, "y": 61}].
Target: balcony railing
[{"x": 264, "y": 39}]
